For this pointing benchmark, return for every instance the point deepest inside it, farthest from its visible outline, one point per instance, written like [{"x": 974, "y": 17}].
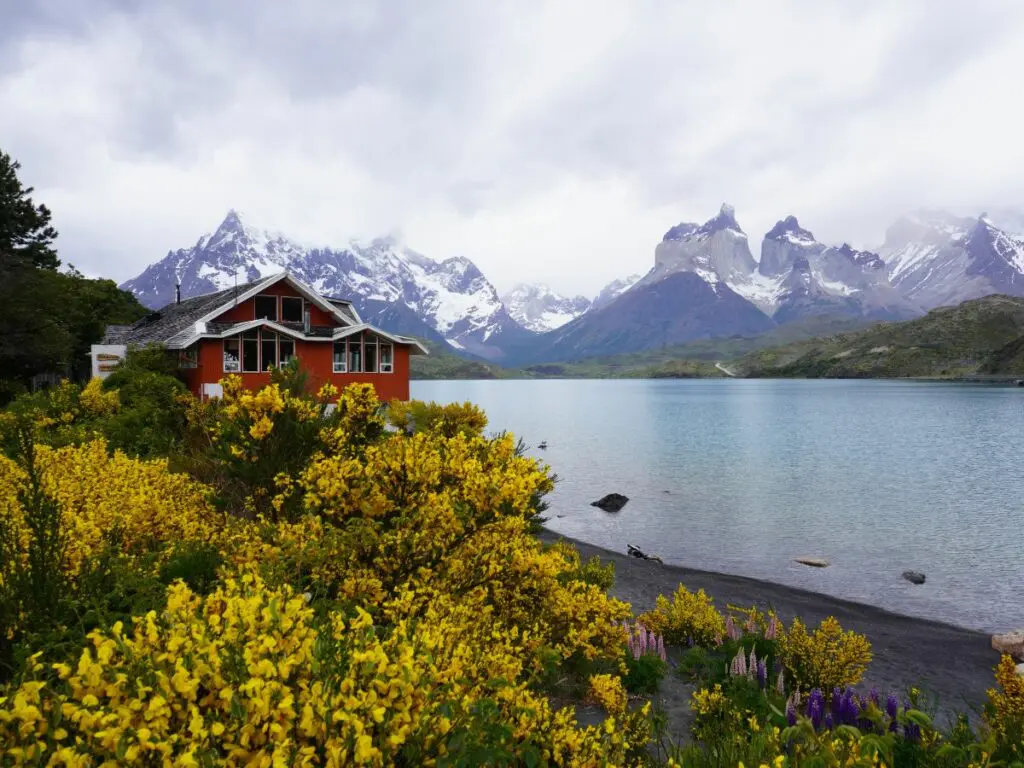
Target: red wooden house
[{"x": 247, "y": 329}]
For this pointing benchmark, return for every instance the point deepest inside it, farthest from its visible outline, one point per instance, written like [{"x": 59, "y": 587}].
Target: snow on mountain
[
  {"x": 613, "y": 290},
  {"x": 796, "y": 275},
  {"x": 537, "y": 308},
  {"x": 936, "y": 258},
  {"x": 451, "y": 298}
]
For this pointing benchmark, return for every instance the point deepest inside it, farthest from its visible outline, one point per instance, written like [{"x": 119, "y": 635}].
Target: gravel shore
[{"x": 952, "y": 666}]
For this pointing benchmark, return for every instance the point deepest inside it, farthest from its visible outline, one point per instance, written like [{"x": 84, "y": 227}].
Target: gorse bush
[
  {"x": 689, "y": 617},
  {"x": 449, "y": 420},
  {"x": 826, "y": 658},
  {"x": 336, "y": 594}
]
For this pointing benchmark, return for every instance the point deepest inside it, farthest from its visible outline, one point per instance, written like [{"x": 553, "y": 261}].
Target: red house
[{"x": 247, "y": 329}]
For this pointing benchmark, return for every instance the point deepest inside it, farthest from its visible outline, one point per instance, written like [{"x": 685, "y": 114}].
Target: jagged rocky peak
[
  {"x": 717, "y": 248},
  {"x": 538, "y": 308},
  {"x": 789, "y": 228},
  {"x": 726, "y": 219},
  {"x": 783, "y": 244},
  {"x": 866, "y": 259}
]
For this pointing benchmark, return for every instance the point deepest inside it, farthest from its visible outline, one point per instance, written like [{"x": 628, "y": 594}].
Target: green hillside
[
  {"x": 982, "y": 336},
  {"x": 442, "y": 364},
  {"x": 694, "y": 359}
]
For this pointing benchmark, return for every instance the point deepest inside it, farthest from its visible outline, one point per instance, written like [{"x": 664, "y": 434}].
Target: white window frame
[
  {"x": 381, "y": 344},
  {"x": 235, "y": 367},
  {"x": 343, "y": 366}
]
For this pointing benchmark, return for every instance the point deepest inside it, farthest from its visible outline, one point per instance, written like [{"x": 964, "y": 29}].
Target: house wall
[
  {"x": 246, "y": 310},
  {"x": 315, "y": 358}
]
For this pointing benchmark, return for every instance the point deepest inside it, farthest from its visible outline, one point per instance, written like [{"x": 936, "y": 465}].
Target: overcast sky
[{"x": 547, "y": 140}]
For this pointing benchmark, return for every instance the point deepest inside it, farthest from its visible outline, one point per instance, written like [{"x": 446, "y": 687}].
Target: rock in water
[
  {"x": 1011, "y": 643},
  {"x": 914, "y": 577},
  {"x": 611, "y": 502},
  {"x": 814, "y": 562}
]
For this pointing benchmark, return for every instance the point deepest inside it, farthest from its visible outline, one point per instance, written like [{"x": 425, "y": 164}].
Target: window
[
  {"x": 387, "y": 359},
  {"x": 355, "y": 356},
  {"x": 189, "y": 358},
  {"x": 232, "y": 356},
  {"x": 286, "y": 349},
  {"x": 251, "y": 352},
  {"x": 370, "y": 355},
  {"x": 268, "y": 349},
  {"x": 291, "y": 309},
  {"x": 340, "y": 357},
  {"x": 266, "y": 308}
]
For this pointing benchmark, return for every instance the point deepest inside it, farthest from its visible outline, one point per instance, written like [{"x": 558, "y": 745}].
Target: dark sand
[{"x": 952, "y": 666}]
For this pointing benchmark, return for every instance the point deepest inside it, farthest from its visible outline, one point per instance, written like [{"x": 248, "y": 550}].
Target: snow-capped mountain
[
  {"x": 613, "y": 290},
  {"x": 390, "y": 284},
  {"x": 937, "y": 259},
  {"x": 537, "y": 308},
  {"x": 796, "y": 276}
]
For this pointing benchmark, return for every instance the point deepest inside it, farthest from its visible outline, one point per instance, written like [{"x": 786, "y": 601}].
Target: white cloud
[{"x": 546, "y": 141}]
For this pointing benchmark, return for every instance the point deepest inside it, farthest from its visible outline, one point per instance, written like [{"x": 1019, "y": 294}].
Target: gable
[{"x": 245, "y": 310}]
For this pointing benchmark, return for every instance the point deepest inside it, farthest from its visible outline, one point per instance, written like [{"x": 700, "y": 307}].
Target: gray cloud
[{"x": 547, "y": 141}]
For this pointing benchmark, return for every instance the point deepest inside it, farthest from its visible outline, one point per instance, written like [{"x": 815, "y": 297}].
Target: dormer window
[
  {"x": 266, "y": 308},
  {"x": 291, "y": 309}
]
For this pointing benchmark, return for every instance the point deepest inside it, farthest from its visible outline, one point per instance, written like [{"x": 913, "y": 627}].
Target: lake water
[{"x": 741, "y": 476}]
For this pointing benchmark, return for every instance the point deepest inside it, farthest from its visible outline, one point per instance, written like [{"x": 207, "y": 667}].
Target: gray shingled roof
[
  {"x": 160, "y": 326},
  {"x": 163, "y": 325}
]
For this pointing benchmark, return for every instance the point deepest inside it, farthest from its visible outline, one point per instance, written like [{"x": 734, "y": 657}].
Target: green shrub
[{"x": 644, "y": 675}]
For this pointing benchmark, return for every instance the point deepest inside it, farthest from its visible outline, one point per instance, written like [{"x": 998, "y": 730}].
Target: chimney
[
  {"x": 177, "y": 293},
  {"x": 306, "y": 321}
]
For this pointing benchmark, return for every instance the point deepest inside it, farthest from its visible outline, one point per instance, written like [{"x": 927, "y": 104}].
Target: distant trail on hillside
[{"x": 725, "y": 370}]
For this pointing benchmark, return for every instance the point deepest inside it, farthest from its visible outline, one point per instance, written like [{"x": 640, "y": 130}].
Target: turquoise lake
[{"x": 741, "y": 476}]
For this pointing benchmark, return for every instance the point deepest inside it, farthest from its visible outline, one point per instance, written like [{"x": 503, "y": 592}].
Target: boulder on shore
[
  {"x": 1011, "y": 643},
  {"x": 814, "y": 562},
  {"x": 914, "y": 577},
  {"x": 610, "y": 502}
]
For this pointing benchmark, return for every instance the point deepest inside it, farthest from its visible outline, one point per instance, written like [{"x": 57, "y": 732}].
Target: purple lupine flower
[
  {"x": 661, "y": 649},
  {"x": 773, "y": 629},
  {"x": 780, "y": 684},
  {"x": 750, "y": 626},
  {"x": 641, "y": 638},
  {"x": 816, "y": 708},
  {"x": 892, "y": 709},
  {"x": 830, "y": 722},
  {"x": 791, "y": 712},
  {"x": 752, "y": 664},
  {"x": 718, "y": 641},
  {"x": 912, "y": 733},
  {"x": 652, "y": 643},
  {"x": 873, "y": 697},
  {"x": 762, "y": 674},
  {"x": 837, "y": 703},
  {"x": 689, "y": 641}
]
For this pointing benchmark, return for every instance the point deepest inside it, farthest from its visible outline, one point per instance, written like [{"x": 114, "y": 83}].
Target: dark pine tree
[{"x": 25, "y": 232}]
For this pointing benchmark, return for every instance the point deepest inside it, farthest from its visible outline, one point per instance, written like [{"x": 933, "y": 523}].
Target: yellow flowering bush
[
  {"x": 380, "y": 600},
  {"x": 688, "y": 615},
  {"x": 1005, "y": 713},
  {"x": 109, "y": 499},
  {"x": 825, "y": 658},
  {"x": 247, "y": 676},
  {"x": 97, "y": 401},
  {"x": 449, "y": 419}
]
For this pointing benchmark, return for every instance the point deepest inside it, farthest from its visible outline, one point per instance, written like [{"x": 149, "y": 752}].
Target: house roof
[
  {"x": 160, "y": 326},
  {"x": 181, "y": 324}
]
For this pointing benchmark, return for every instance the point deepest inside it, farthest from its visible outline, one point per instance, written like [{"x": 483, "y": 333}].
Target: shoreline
[{"x": 952, "y": 666}]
